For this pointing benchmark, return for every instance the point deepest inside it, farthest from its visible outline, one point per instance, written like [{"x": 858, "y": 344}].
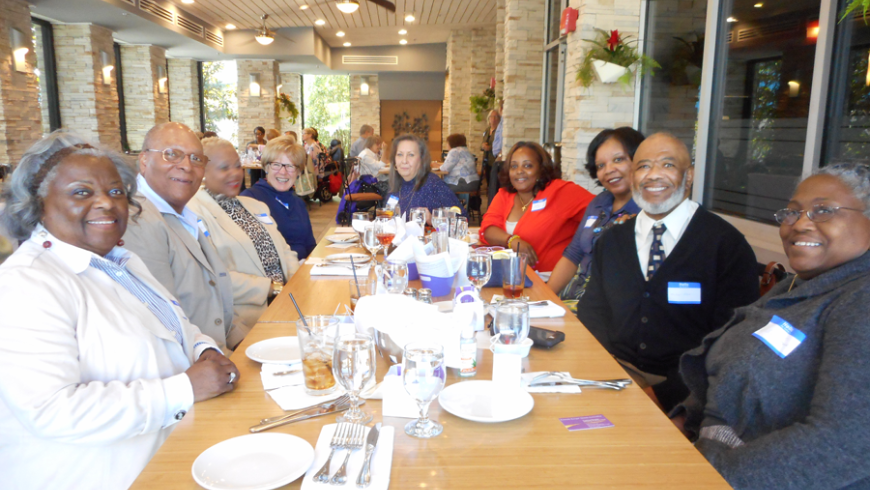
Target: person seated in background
[
  {"x": 667, "y": 277},
  {"x": 271, "y": 134},
  {"x": 365, "y": 132},
  {"x": 535, "y": 212},
  {"x": 315, "y": 150},
  {"x": 284, "y": 161},
  {"x": 779, "y": 394},
  {"x": 242, "y": 230},
  {"x": 336, "y": 152},
  {"x": 293, "y": 134},
  {"x": 209, "y": 134},
  {"x": 259, "y": 138},
  {"x": 98, "y": 361},
  {"x": 460, "y": 166},
  {"x": 170, "y": 238},
  {"x": 608, "y": 161},
  {"x": 412, "y": 183},
  {"x": 369, "y": 158}
]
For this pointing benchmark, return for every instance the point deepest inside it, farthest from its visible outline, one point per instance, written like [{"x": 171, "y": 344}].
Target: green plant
[
  {"x": 616, "y": 49},
  {"x": 690, "y": 53},
  {"x": 481, "y": 105},
  {"x": 854, "y": 5},
  {"x": 282, "y": 101}
]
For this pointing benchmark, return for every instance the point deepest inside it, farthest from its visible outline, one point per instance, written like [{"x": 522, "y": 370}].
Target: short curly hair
[
  {"x": 855, "y": 174},
  {"x": 456, "y": 140},
  {"x": 24, "y": 195},
  {"x": 549, "y": 170},
  {"x": 629, "y": 138}
]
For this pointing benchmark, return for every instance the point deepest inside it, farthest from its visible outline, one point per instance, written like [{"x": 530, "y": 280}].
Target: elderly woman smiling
[
  {"x": 779, "y": 395},
  {"x": 257, "y": 257},
  {"x": 97, "y": 360}
]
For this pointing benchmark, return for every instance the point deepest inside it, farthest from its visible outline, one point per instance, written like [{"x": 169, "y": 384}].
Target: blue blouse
[
  {"x": 433, "y": 194},
  {"x": 289, "y": 213}
]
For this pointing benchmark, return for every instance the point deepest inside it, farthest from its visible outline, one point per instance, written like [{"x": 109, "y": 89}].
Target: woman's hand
[
  {"x": 210, "y": 375},
  {"x": 523, "y": 247}
]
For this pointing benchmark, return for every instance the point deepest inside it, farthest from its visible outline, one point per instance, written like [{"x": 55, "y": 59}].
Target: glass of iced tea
[
  {"x": 513, "y": 275},
  {"x": 316, "y": 346}
]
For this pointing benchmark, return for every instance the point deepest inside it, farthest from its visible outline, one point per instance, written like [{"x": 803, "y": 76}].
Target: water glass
[
  {"x": 478, "y": 268},
  {"x": 358, "y": 289},
  {"x": 370, "y": 241},
  {"x": 423, "y": 375},
  {"x": 418, "y": 215},
  {"x": 513, "y": 275},
  {"x": 441, "y": 224},
  {"x": 361, "y": 216},
  {"x": 354, "y": 364},
  {"x": 511, "y": 323},
  {"x": 316, "y": 344},
  {"x": 440, "y": 212},
  {"x": 395, "y": 276},
  {"x": 458, "y": 227},
  {"x": 440, "y": 241}
]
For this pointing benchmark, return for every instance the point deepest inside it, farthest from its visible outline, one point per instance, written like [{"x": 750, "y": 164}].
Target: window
[
  {"x": 326, "y": 99},
  {"x": 43, "y": 43},
  {"x": 219, "y": 99},
  {"x": 555, "y": 55}
]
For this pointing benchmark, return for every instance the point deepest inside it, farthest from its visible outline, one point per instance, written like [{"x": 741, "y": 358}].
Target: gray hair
[
  {"x": 855, "y": 174},
  {"x": 24, "y": 209}
]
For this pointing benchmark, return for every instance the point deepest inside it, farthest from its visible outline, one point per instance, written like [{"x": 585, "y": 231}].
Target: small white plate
[
  {"x": 280, "y": 350},
  {"x": 253, "y": 462},
  {"x": 344, "y": 259},
  {"x": 483, "y": 401},
  {"x": 343, "y": 238}
]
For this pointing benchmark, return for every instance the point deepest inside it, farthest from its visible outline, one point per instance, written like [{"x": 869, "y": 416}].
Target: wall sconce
[
  {"x": 364, "y": 88},
  {"x": 107, "y": 68},
  {"x": 794, "y": 88},
  {"x": 161, "y": 79},
  {"x": 20, "y": 48},
  {"x": 255, "y": 85}
]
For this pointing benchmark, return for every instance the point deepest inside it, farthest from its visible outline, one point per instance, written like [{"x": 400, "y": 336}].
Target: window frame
[
  {"x": 560, "y": 46},
  {"x": 52, "y": 93}
]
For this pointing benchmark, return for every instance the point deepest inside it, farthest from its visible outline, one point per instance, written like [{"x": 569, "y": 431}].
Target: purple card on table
[{"x": 586, "y": 422}]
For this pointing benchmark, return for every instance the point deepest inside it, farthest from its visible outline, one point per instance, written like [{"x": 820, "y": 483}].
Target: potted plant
[
  {"x": 482, "y": 104},
  {"x": 613, "y": 59},
  {"x": 688, "y": 59},
  {"x": 857, "y": 5},
  {"x": 282, "y": 101}
]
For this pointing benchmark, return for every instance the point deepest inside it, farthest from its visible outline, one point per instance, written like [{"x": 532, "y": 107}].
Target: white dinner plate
[
  {"x": 280, "y": 350},
  {"x": 483, "y": 401},
  {"x": 253, "y": 462},
  {"x": 344, "y": 258},
  {"x": 344, "y": 238}
]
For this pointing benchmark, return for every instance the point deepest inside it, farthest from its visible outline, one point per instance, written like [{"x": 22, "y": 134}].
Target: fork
[
  {"x": 354, "y": 442},
  {"x": 615, "y": 384},
  {"x": 339, "y": 439}
]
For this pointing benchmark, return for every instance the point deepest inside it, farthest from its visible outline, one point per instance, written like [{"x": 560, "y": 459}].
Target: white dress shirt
[
  {"x": 369, "y": 163},
  {"x": 188, "y": 218},
  {"x": 676, "y": 222}
]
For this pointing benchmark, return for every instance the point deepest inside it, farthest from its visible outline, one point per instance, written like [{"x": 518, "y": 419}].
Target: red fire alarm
[{"x": 569, "y": 21}]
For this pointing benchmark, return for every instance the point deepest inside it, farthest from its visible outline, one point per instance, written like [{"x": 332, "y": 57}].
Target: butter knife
[
  {"x": 365, "y": 474},
  {"x": 334, "y": 408}
]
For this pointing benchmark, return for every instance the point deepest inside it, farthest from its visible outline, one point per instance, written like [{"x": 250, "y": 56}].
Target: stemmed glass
[
  {"x": 353, "y": 365},
  {"x": 511, "y": 322},
  {"x": 479, "y": 269},
  {"x": 418, "y": 215},
  {"x": 371, "y": 242},
  {"x": 395, "y": 276},
  {"x": 385, "y": 230},
  {"x": 360, "y": 216},
  {"x": 423, "y": 375}
]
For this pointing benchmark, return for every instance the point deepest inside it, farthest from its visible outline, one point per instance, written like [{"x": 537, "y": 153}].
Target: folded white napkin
[
  {"x": 526, "y": 378},
  {"x": 337, "y": 270},
  {"x": 550, "y": 310},
  {"x": 409, "y": 249},
  {"x": 382, "y": 460},
  {"x": 270, "y": 381},
  {"x": 344, "y": 229},
  {"x": 343, "y": 246},
  {"x": 396, "y": 401},
  {"x": 294, "y": 397}
]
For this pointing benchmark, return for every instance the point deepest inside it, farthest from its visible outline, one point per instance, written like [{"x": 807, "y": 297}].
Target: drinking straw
[
  {"x": 355, "y": 280},
  {"x": 301, "y": 316}
]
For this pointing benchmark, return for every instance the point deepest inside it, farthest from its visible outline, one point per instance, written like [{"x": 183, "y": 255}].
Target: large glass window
[
  {"x": 43, "y": 44},
  {"x": 219, "y": 100},
  {"x": 555, "y": 55},
  {"x": 326, "y": 99}
]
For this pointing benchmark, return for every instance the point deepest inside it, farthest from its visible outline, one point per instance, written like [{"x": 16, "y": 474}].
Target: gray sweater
[{"x": 805, "y": 418}]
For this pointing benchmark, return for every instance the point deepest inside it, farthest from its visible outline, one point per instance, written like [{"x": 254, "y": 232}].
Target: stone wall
[
  {"x": 20, "y": 116},
  {"x": 483, "y": 42},
  {"x": 87, "y": 105},
  {"x": 499, "y": 48},
  {"x": 256, "y": 111},
  {"x": 523, "y": 65},
  {"x": 471, "y": 66},
  {"x": 144, "y": 105},
  {"x": 292, "y": 86},
  {"x": 184, "y": 93},
  {"x": 364, "y": 109}
]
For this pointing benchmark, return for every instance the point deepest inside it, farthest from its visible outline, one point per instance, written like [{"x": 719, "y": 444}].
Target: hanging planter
[
  {"x": 608, "y": 72},
  {"x": 613, "y": 59}
]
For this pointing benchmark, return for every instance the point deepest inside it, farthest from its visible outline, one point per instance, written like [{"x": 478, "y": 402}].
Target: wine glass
[
  {"x": 423, "y": 376},
  {"x": 395, "y": 276},
  {"x": 479, "y": 269},
  {"x": 354, "y": 364},
  {"x": 418, "y": 215},
  {"x": 360, "y": 216},
  {"x": 371, "y": 242},
  {"x": 385, "y": 230},
  {"x": 511, "y": 322}
]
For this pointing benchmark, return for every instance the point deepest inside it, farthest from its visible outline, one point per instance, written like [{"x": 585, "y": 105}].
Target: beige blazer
[
  {"x": 251, "y": 286},
  {"x": 190, "y": 269}
]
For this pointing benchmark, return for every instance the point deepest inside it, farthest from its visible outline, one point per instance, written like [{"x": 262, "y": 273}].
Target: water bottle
[{"x": 467, "y": 352}]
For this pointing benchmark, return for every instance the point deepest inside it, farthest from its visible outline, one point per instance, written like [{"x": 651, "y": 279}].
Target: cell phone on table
[{"x": 545, "y": 338}]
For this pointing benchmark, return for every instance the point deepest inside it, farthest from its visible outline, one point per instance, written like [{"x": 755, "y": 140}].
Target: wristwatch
[{"x": 276, "y": 289}]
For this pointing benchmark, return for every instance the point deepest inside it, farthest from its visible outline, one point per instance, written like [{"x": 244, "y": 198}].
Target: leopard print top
[{"x": 257, "y": 232}]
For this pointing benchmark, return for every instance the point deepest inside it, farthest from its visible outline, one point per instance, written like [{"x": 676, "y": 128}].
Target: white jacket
[{"x": 91, "y": 382}]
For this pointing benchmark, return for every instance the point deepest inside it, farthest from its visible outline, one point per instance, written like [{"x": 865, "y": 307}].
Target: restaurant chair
[{"x": 770, "y": 274}]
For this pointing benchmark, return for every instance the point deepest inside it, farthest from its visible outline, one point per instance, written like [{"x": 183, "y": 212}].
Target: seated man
[
  {"x": 670, "y": 276},
  {"x": 170, "y": 238}
]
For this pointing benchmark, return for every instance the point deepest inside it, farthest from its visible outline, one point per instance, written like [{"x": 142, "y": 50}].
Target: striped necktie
[{"x": 656, "y": 251}]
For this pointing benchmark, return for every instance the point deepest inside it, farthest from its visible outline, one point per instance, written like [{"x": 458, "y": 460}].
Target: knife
[
  {"x": 365, "y": 474},
  {"x": 334, "y": 408}
]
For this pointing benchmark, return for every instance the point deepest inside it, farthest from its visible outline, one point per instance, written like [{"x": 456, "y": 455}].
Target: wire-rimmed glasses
[
  {"x": 176, "y": 156},
  {"x": 818, "y": 214}
]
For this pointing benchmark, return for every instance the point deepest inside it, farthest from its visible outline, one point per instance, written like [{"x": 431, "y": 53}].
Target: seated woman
[
  {"x": 336, "y": 152},
  {"x": 535, "y": 212},
  {"x": 369, "y": 158},
  {"x": 259, "y": 138},
  {"x": 608, "y": 161},
  {"x": 257, "y": 257},
  {"x": 284, "y": 161},
  {"x": 97, "y": 360},
  {"x": 779, "y": 394},
  {"x": 412, "y": 183},
  {"x": 460, "y": 166},
  {"x": 316, "y": 150}
]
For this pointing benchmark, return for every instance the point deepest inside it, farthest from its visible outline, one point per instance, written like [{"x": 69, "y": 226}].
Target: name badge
[
  {"x": 392, "y": 201},
  {"x": 175, "y": 303},
  {"x": 780, "y": 336},
  {"x": 684, "y": 293},
  {"x": 223, "y": 274},
  {"x": 286, "y": 206},
  {"x": 202, "y": 227},
  {"x": 265, "y": 218},
  {"x": 590, "y": 221},
  {"x": 539, "y": 204}
]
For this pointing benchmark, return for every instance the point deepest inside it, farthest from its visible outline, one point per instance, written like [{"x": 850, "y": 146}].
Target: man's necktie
[{"x": 656, "y": 251}]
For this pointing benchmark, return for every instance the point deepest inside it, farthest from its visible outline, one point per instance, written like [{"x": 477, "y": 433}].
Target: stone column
[
  {"x": 184, "y": 93},
  {"x": 256, "y": 110},
  {"x": 459, "y": 60},
  {"x": 87, "y": 105},
  {"x": 499, "y": 48},
  {"x": 482, "y": 71},
  {"x": 364, "y": 109},
  {"x": 20, "y": 117},
  {"x": 589, "y": 110},
  {"x": 144, "y": 105},
  {"x": 291, "y": 84},
  {"x": 523, "y": 65}
]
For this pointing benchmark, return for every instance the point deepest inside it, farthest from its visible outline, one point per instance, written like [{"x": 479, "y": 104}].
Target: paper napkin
[
  {"x": 528, "y": 377},
  {"x": 382, "y": 460},
  {"x": 270, "y": 381}
]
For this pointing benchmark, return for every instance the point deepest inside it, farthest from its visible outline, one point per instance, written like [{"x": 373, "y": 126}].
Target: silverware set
[
  {"x": 562, "y": 379},
  {"x": 340, "y": 404},
  {"x": 349, "y": 437}
]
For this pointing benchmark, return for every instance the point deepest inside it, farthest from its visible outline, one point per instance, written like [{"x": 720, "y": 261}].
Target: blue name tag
[
  {"x": 590, "y": 221},
  {"x": 175, "y": 303},
  {"x": 264, "y": 218},
  {"x": 286, "y": 206},
  {"x": 223, "y": 274},
  {"x": 539, "y": 204},
  {"x": 392, "y": 201},
  {"x": 202, "y": 227},
  {"x": 684, "y": 293},
  {"x": 780, "y": 336}
]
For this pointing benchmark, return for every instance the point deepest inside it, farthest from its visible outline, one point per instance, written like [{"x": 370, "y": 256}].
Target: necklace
[
  {"x": 524, "y": 204},
  {"x": 792, "y": 283}
]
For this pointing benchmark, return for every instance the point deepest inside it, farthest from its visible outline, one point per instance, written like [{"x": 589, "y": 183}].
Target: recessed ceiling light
[
  {"x": 346, "y": 44},
  {"x": 403, "y": 41},
  {"x": 758, "y": 5},
  {"x": 403, "y": 32},
  {"x": 230, "y": 26},
  {"x": 340, "y": 33},
  {"x": 409, "y": 18},
  {"x": 319, "y": 22},
  {"x": 731, "y": 19},
  {"x": 303, "y": 7}
]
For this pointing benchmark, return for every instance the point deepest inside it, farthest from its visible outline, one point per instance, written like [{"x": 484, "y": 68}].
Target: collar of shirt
[
  {"x": 188, "y": 218},
  {"x": 77, "y": 259},
  {"x": 676, "y": 221}
]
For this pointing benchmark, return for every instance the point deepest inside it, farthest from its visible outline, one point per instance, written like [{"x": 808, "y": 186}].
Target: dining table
[{"x": 642, "y": 448}]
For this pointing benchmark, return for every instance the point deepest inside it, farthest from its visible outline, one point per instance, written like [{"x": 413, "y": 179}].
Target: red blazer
[{"x": 550, "y": 229}]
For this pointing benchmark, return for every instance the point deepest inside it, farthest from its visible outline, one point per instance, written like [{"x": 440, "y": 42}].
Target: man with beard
[{"x": 668, "y": 277}]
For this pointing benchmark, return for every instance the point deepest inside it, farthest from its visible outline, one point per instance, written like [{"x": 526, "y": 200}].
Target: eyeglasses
[
  {"x": 171, "y": 155},
  {"x": 819, "y": 214},
  {"x": 289, "y": 167}
]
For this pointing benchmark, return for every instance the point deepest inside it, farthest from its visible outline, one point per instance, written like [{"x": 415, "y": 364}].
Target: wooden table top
[{"x": 643, "y": 449}]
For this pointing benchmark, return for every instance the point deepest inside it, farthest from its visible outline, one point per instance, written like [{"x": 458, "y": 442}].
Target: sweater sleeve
[
  {"x": 575, "y": 200},
  {"x": 828, "y": 448}
]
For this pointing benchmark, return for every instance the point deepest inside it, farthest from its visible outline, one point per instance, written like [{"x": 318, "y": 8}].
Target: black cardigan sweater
[{"x": 632, "y": 317}]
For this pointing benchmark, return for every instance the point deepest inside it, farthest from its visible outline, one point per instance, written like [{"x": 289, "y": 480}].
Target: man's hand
[{"x": 211, "y": 374}]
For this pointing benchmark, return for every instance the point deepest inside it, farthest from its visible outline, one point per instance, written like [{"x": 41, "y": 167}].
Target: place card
[{"x": 586, "y": 422}]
